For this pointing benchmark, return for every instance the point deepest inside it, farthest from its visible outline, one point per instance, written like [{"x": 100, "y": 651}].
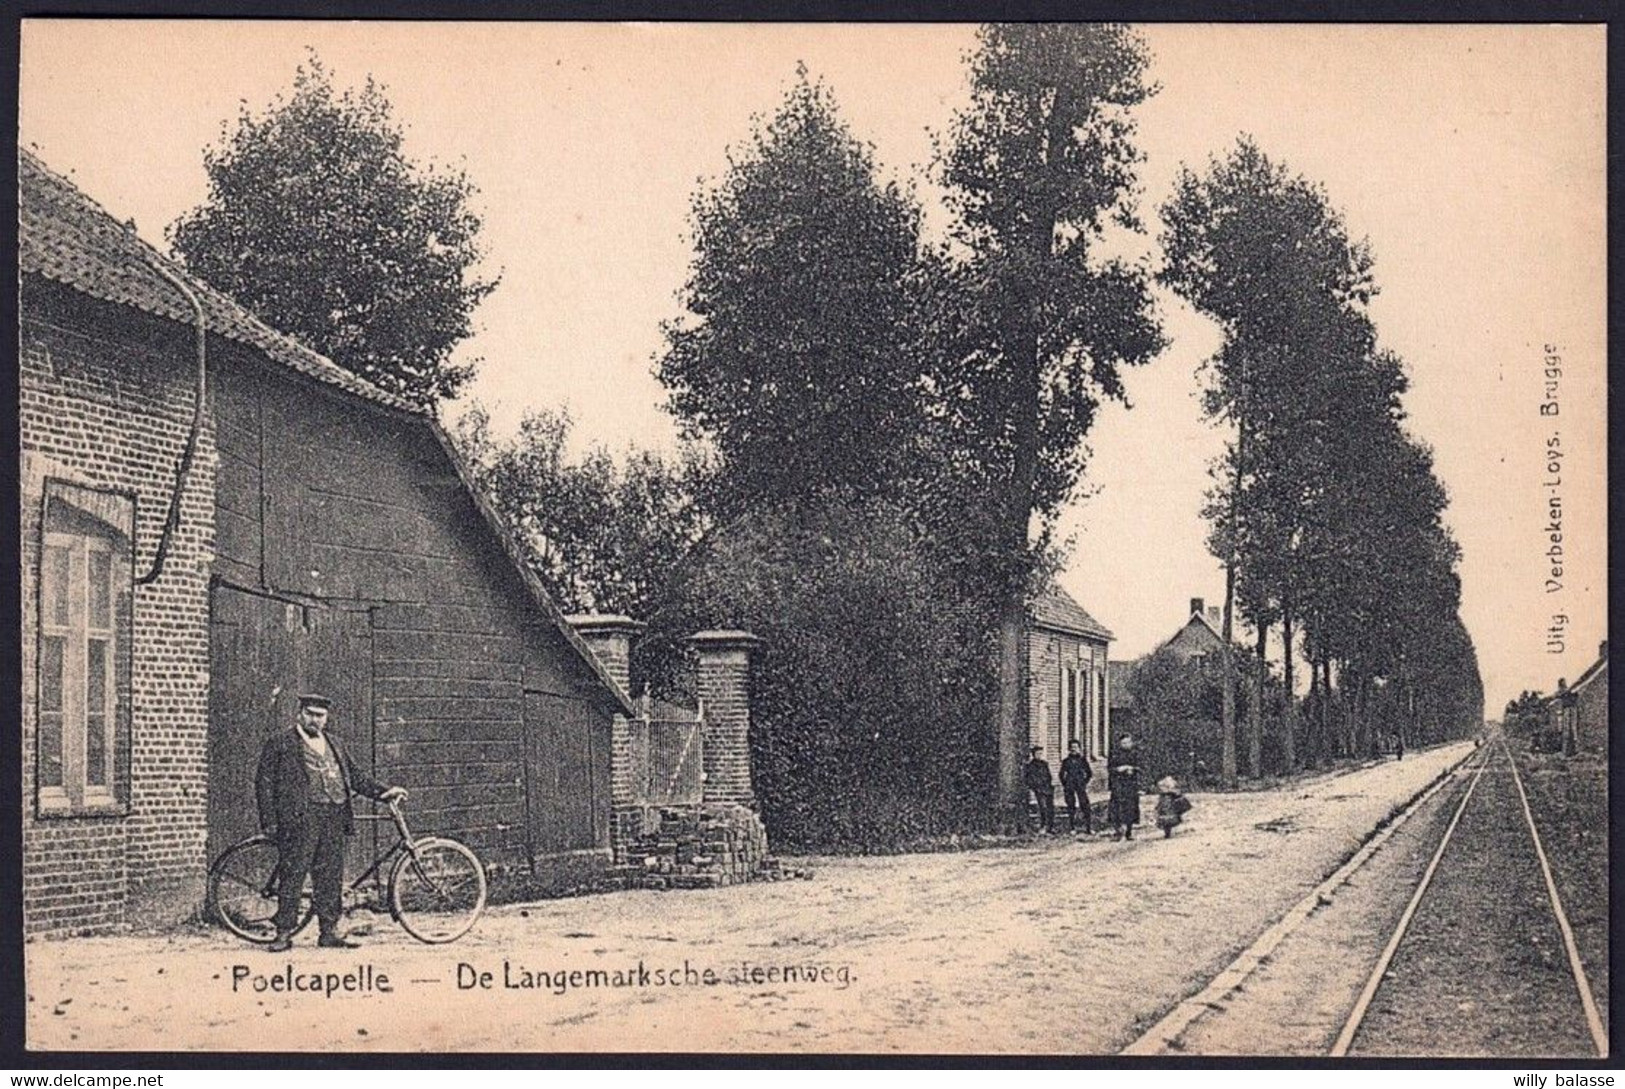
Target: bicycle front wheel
[
  {"x": 437, "y": 890},
  {"x": 242, "y": 893}
]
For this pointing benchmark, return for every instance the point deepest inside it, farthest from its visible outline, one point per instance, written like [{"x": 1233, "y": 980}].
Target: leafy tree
[
  {"x": 602, "y": 537},
  {"x": 870, "y": 692},
  {"x": 1326, "y": 513},
  {"x": 1034, "y": 322},
  {"x": 796, "y": 356},
  {"x": 319, "y": 224},
  {"x": 1262, "y": 253}
]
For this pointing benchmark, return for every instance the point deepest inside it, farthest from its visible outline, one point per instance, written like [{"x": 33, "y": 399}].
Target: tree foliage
[
  {"x": 1035, "y": 322},
  {"x": 318, "y": 223},
  {"x": 603, "y": 537},
  {"x": 796, "y": 358},
  {"x": 1326, "y": 511},
  {"x": 870, "y": 690}
]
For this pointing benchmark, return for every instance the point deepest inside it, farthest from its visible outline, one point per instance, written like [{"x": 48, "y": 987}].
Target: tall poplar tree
[{"x": 1038, "y": 169}]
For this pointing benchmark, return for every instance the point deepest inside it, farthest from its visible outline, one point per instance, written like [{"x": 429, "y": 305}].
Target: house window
[
  {"x": 1080, "y": 701},
  {"x": 1102, "y": 706},
  {"x": 83, "y": 681}
]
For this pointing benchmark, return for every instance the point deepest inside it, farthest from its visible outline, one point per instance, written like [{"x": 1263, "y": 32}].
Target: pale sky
[{"x": 1472, "y": 158}]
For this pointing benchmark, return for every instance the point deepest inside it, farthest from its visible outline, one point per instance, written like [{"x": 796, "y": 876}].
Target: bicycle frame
[{"x": 404, "y": 844}]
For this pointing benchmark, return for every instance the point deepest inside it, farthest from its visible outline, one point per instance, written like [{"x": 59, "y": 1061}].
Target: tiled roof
[
  {"x": 1593, "y": 671},
  {"x": 1054, "y": 608},
  {"x": 65, "y": 236}
]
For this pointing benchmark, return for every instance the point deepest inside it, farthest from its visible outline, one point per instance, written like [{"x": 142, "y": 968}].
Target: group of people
[{"x": 1122, "y": 784}]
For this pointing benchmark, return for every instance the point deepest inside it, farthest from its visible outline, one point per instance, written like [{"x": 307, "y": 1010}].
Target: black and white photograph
[{"x": 720, "y": 538}]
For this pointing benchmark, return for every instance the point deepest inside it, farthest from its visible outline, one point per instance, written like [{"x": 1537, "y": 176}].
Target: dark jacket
[
  {"x": 1037, "y": 775},
  {"x": 282, "y": 785},
  {"x": 1075, "y": 771},
  {"x": 1124, "y": 782}
]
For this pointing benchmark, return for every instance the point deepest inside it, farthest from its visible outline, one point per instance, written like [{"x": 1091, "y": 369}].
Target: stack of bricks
[{"x": 698, "y": 847}]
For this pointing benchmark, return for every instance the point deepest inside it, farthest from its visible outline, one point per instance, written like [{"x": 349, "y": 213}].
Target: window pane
[
  {"x": 50, "y": 749},
  {"x": 96, "y": 676},
  {"x": 54, "y": 585},
  {"x": 50, "y": 673},
  {"x": 50, "y": 706},
  {"x": 101, "y": 602},
  {"x": 96, "y": 750}
]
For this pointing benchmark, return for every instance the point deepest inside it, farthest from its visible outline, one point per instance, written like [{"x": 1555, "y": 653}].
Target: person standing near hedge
[
  {"x": 1042, "y": 784},
  {"x": 1075, "y": 776}
]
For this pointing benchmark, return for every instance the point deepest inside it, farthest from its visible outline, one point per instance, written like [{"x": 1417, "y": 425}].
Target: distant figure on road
[
  {"x": 1124, "y": 782},
  {"x": 1399, "y": 746},
  {"x": 1075, "y": 775},
  {"x": 1172, "y": 805},
  {"x": 1042, "y": 784}
]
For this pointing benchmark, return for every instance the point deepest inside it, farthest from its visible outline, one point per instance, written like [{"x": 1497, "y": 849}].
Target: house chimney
[
  {"x": 610, "y": 639},
  {"x": 1196, "y": 606},
  {"x": 724, "y": 691}
]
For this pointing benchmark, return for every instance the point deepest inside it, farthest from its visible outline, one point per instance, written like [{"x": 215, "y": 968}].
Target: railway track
[
  {"x": 1497, "y": 755},
  {"x": 1482, "y": 959}
]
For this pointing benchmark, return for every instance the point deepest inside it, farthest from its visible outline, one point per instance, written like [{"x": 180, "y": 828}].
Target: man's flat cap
[{"x": 314, "y": 701}]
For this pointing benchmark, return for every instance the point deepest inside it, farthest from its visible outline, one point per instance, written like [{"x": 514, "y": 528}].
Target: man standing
[
  {"x": 1075, "y": 775},
  {"x": 1039, "y": 781},
  {"x": 303, "y": 787}
]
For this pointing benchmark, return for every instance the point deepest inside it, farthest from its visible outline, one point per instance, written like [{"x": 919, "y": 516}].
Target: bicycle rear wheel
[
  {"x": 437, "y": 890},
  {"x": 242, "y": 894}
]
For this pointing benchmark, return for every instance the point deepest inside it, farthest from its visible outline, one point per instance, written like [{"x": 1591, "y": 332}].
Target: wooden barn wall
[{"x": 326, "y": 501}]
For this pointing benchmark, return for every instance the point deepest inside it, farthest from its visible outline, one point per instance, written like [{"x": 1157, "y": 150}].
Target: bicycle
[{"x": 436, "y": 888}]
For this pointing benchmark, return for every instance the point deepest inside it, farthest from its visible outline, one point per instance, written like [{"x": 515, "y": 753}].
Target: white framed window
[{"x": 85, "y": 598}]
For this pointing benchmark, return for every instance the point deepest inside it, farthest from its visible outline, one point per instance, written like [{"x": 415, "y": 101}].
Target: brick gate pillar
[
  {"x": 724, "y": 691},
  {"x": 610, "y": 640}
]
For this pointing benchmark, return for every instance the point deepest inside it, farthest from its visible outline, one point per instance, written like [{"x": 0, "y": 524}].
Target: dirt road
[{"x": 1068, "y": 946}]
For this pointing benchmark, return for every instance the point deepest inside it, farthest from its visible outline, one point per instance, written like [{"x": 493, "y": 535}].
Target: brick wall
[
  {"x": 610, "y": 639},
  {"x": 1591, "y": 711},
  {"x": 1047, "y": 653},
  {"x": 105, "y": 402}
]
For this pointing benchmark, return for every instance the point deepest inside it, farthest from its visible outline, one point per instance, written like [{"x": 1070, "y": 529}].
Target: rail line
[
  {"x": 1163, "y": 1035},
  {"x": 1374, "y": 982}
]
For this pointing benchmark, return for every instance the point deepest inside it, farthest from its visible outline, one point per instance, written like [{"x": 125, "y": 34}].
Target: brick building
[
  {"x": 326, "y": 536},
  {"x": 1575, "y": 718},
  {"x": 1067, "y": 683},
  {"x": 1591, "y": 705}
]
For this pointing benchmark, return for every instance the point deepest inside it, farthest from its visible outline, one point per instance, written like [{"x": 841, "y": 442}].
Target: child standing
[{"x": 1171, "y": 805}]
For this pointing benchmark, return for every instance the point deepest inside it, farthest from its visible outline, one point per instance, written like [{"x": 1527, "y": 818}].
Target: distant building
[
  {"x": 1201, "y": 634},
  {"x": 1591, "y": 705},
  {"x": 1198, "y": 637},
  {"x": 1178, "y": 746},
  {"x": 1067, "y": 683},
  {"x": 1575, "y": 718}
]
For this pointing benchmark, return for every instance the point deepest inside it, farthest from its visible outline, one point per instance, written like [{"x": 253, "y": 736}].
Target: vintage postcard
[{"x": 1015, "y": 539}]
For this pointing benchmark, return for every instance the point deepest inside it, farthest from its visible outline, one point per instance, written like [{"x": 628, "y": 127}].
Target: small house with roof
[
  {"x": 1576, "y": 716},
  {"x": 215, "y": 518},
  {"x": 1591, "y": 705},
  {"x": 1193, "y": 641},
  {"x": 1067, "y": 684}
]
